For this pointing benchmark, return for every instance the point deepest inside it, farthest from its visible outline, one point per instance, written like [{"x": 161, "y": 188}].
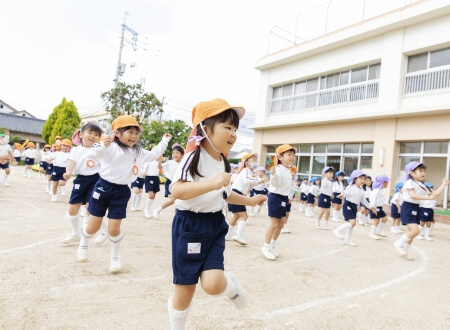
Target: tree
[
  {"x": 63, "y": 121},
  {"x": 154, "y": 131},
  {"x": 127, "y": 99}
]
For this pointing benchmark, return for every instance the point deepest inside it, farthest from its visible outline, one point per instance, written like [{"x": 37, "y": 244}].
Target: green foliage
[
  {"x": 127, "y": 99},
  {"x": 16, "y": 138},
  {"x": 63, "y": 121},
  {"x": 154, "y": 131}
]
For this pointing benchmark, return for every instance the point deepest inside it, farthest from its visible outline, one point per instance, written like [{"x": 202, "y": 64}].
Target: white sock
[
  {"x": 241, "y": 226},
  {"x": 427, "y": 232},
  {"x": 84, "y": 242},
  {"x": 379, "y": 227},
  {"x": 63, "y": 190},
  {"x": 348, "y": 234},
  {"x": 406, "y": 246},
  {"x": 159, "y": 209},
  {"x": 115, "y": 246},
  {"x": 402, "y": 240},
  {"x": 343, "y": 227},
  {"x": 421, "y": 230},
  {"x": 85, "y": 219},
  {"x": 318, "y": 222},
  {"x": 138, "y": 200},
  {"x": 267, "y": 246},
  {"x": 272, "y": 243},
  {"x": 104, "y": 226},
  {"x": 148, "y": 205},
  {"x": 230, "y": 230},
  {"x": 230, "y": 289},
  {"x": 372, "y": 230},
  {"x": 49, "y": 185},
  {"x": 5, "y": 178},
  {"x": 177, "y": 318},
  {"x": 73, "y": 221}
]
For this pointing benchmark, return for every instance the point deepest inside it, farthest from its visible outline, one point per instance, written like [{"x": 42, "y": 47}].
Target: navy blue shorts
[
  {"x": 336, "y": 199},
  {"x": 236, "y": 208},
  {"x": 57, "y": 173},
  {"x": 49, "y": 169},
  {"x": 303, "y": 197},
  {"x": 410, "y": 213},
  {"x": 167, "y": 186},
  {"x": 288, "y": 207},
  {"x": 4, "y": 166},
  {"x": 17, "y": 159},
  {"x": 109, "y": 196},
  {"x": 152, "y": 184},
  {"x": 43, "y": 164},
  {"x": 324, "y": 201},
  {"x": 83, "y": 185},
  {"x": 426, "y": 214},
  {"x": 349, "y": 210},
  {"x": 394, "y": 211},
  {"x": 29, "y": 161},
  {"x": 310, "y": 199},
  {"x": 138, "y": 183},
  {"x": 254, "y": 192},
  {"x": 277, "y": 205},
  {"x": 380, "y": 213},
  {"x": 198, "y": 244}
]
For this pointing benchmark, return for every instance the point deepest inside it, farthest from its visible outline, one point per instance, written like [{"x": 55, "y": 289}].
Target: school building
[{"x": 372, "y": 96}]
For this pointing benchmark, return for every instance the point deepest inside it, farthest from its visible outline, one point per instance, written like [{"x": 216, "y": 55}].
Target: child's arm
[
  {"x": 238, "y": 199},
  {"x": 69, "y": 169},
  {"x": 190, "y": 189}
]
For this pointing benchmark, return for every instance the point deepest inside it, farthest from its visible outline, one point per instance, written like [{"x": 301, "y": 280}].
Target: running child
[
  {"x": 43, "y": 163},
  {"x": 396, "y": 204},
  {"x": 324, "y": 201},
  {"x": 5, "y": 150},
  {"x": 260, "y": 189},
  {"x": 59, "y": 161},
  {"x": 284, "y": 229},
  {"x": 199, "y": 187},
  {"x": 338, "y": 188},
  {"x": 120, "y": 160},
  {"x": 354, "y": 196},
  {"x": 426, "y": 215},
  {"x": 303, "y": 189},
  {"x": 279, "y": 190},
  {"x": 376, "y": 201},
  {"x": 414, "y": 191},
  {"x": 17, "y": 155},
  {"x": 152, "y": 183},
  {"x": 30, "y": 155},
  {"x": 136, "y": 190},
  {"x": 313, "y": 192},
  {"x": 364, "y": 212}
]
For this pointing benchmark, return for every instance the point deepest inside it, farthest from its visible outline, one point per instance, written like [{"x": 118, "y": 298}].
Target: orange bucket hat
[
  {"x": 30, "y": 145},
  {"x": 18, "y": 146},
  {"x": 47, "y": 146},
  {"x": 244, "y": 158},
  {"x": 280, "y": 150},
  {"x": 66, "y": 142},
  {"x": 124, "y": 121}
]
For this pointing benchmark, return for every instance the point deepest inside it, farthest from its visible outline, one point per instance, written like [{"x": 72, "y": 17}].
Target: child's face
[
  {"x": 418, "y": 174},
  {"x": 89, "y": 137},
  {"x": 368, "y": 181},
  {"x": 317, "y": 182},
  {"x": 305, "y": 181},
  {"x": 261, "y": 174},
  {"x": 385, "y": 184},
  {"x": 223, "y": 137},
  {"x": 129, "y": 137},
  {"x": 329, "y": 175},
  {"x": 340, "y": 178},
  {"x": 287, "y": 158},
  {"x": 360, "y": 181},
  {"x": 65, "y": 148},
  {"x": 176, "y": 155}
]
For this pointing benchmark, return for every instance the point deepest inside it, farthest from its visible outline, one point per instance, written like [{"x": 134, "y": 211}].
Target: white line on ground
[{"x": 31, "y": 245}]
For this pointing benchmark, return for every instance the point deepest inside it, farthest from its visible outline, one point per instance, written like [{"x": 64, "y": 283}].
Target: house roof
[{"x": 21, "y": 123}]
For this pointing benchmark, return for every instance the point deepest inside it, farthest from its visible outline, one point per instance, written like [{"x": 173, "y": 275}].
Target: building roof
[{"x": 21, "y": 123}]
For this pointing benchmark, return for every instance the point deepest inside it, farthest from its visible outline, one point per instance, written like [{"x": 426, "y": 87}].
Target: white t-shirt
[
  {"x": 338, "y": 187},
  {"x": 397, "y": 197},
  {"x": 314, "y": 190},
  {"x": 281, "y": 181},
  {"x": 304, "y": 188},
  {"x": 85, "y": 161},
  {"x": 211, "y": 201},
  {"x": 17, "y": 153},
  {"x": 245, "y": 181},
  {"x": 376, "y": 197},
  {"x": 30, "y": 153},
  {"x": 169, "y": 168},
  {"x": 151, "y": 168},
  {"x": 418, "y": 187},
  {"x": 367, "y": 192},
  {"x": 60, "y": 158},
  {"x": 5, "y": 150},
  {"x": 325, "y": 186},
  {"x": 355, "y": 195}
]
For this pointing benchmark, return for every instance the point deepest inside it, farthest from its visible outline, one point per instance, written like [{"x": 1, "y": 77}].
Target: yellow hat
[
  {"x": 284, "y": 148},
  {"x": 249, "y": 155},
  {"x": 17, "y": 146},
  {"x": 124, "y": 121},
  {"x": 30, "y": 145},
  {"x": 47, "y": 146},
  {"x": 208, "y": 109},
  {"x": 57, "y": 137},
  {"x": 66, "y": 142}
]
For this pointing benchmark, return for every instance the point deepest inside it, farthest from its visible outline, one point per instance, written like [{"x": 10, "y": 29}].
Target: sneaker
[
  {"x": 400, "y": 249},
  {"x": 335, "y": 219},
  {"x": 268, "y": 254},
  {"x": 115, "y": 265},
  {"x": 419, "y": 237},
  {"x": 54, "y": 198},
  {"x": 251, "y": 214},
  {"x": 50, "y": 192},
  {"x": 393, "y": 230},
  {"x": 374, "y": 236},
  {"x": 350, "y": 244},
  {"x": 274, "y": 252},
  {"x": 101, "y": 238},
  {"x": 63, "y": 193},
  {"x": 318, "y": 226},
  {"x": 408, "y": 257},
  {"x": 132, "y": 209},
  {"x": 337, "y": 234},
  {"x": 398, "y": 231},
  {"x": 148, "y": 215},
  {"x": 239, "y": 239},
  {"x": 82, "y": 253},
  {"x": 138, "y": 209},
  {"x": 155, "y": 214},
  {"x": 381, "y": 234},
  {"x": 6, "y": 184},
  {"x": 228, "y": 237},
  {"x": 240, "y": 298},
  {"x": 428, "y": 238},
  {"x": 70, "y": 239},
  {"x": 361, "y": 223},
  {"x": 284, "y": 230}
]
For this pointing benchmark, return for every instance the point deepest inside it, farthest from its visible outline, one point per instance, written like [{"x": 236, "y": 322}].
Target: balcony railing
[
  {"x": 423, "y": 81},
  {"x": 367, "y": 90}
]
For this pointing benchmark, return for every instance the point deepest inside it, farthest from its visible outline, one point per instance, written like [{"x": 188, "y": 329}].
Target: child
[
  {"x": 5, "y": 150},
  {"x": 313, "y": 192},
  {"x": 86, "y": 166},
  {"x": 363, "y": 211},
  {"x": 280, "y": 189},
  {"x": 414, "y": 190},
  {"x": 426, "y": 215},
  {"x": 59, "y": 161},
  {"x": 16, "y": 154},
  {"x": 303, "y": 194},
  {"x": 284, "y": 229},
  {"x": 199, "y": 187},
  {"x": 120, "y": 162},
  {"x": 260, "y": 189},
  {"x": 376, "y": 201},
  {"x": 43, "y": 163},
  {"x": 30, "y": 155},
  {"x": 152, "y": 183},
  {"x": 136, "y": 190},
  {"x": 354, "y": 195},
  {"x": 338, "y": 189},
  {"x": 325, "y": 196},
  {"x": 396, "y": 204},
  {"x": 242, "y": 184},
  {"x": 169, "y": 168}
]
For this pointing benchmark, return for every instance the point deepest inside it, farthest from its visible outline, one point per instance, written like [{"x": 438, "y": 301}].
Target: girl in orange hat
[
  {"x": 43, "y": 163},
  {"x": 17, "y": 155},
  {"x": 243, "y": 183},
  {"x": 30, "y": 155},
  {"x": 6, "y": 154},
  {"x": 199, "y": 187},
  {"x": 59, "y": 160}
]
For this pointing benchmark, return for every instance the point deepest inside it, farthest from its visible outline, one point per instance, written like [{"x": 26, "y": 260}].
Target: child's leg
[
  {"x": 266, "y": 249},
  {"x": 115, "y": 237},
  {"x": 62, "y": 186},
  {"x": 241, "y": 226},
  {"x": 373, "y": 229},
  {"x": 231, "y": 223},
  {"x": 87, "y": 233},
  {"x": 428, "y": 231},
  {"x": 54, "y": 190},
  {"x": 148, "y": 204},
  {"x": 72, "y": 216},
  {"x": 284, "y": 230},
  {"x": 380, "y": 225},
  {"x": 179, "y": 305},
  {"x": 219, "y": 283},
  {"x": 348, "y": 235}
]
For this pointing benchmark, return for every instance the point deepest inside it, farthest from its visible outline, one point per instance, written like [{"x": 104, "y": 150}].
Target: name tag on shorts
[
  {"x": 324, "y": 199},
  {"x": 283, "y": 204},
  {"x": 76, "y": 186},
  {"x": 151, "y": 182},
  {"x": 95, "y": 195},
  {"x": 349, "y": 208},
  {"x": 414, "y": 212},
  {"x": 194, "y": 248},
  {"x": 426, "y": 213}
]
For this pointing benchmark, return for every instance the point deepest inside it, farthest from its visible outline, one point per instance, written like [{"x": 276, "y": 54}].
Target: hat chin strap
[{"x": 207, "y": 137}]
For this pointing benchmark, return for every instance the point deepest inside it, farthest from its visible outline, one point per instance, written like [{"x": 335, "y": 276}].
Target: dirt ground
[{"x": 317, "y": 282}]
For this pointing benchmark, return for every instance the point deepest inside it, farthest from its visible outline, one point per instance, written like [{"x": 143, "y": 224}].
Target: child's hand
[
  {"x": 341, "y": 196},
  {"x": 107, "y": 140},
  {"x": 258, "y": 200},
  {"x": 67, "y": 176},
  {"x": 374, "y": 210},
  {"x": 445, "y": 181},
  {"x": 265, "y": 178},
  {"x": 221, "y": 180},
  {"x": 168, "y": 135},
  {"x": 272, "y": 170}
]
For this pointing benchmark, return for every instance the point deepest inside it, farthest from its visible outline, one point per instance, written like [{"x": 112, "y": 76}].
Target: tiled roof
[{"x": 21, "y": 124}]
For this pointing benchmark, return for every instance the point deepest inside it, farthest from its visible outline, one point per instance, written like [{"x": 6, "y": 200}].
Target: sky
[{"x": 188, "y": 50}]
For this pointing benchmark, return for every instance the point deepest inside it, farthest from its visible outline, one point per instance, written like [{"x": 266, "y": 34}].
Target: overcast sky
[{"x": 195, "y": 49}]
